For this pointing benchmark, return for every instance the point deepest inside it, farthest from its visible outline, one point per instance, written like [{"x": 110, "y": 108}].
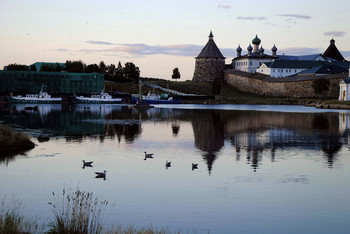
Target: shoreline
[{"x": 317, "y": 104}]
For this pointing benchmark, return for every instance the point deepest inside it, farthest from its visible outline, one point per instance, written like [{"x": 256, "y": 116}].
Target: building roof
[
  {"x": 39, "y": 64},
  {"x": 258, "y": 55},
  {"x": 293, "y": 64},
  {"x": 325, "y": 69},
  {"x": 333, "y": 52},
  {"x": 256, "y": 40},
  {"x": 309, "y": 57},
  {"x": 312, "y": 67},
  {"x": 210, "y": 50},
  {"x": 346, "y": 80}
]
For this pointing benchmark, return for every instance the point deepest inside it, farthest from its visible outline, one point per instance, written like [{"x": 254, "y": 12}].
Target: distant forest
[{"x": 128, "y": 73}]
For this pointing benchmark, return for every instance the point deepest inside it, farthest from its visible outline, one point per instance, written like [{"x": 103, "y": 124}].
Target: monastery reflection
[
  {"x": 258, "y": 132},
  {"x": 252, "y": 134}
]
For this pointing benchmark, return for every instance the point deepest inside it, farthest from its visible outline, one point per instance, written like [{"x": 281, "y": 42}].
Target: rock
[{"x": 43, "y": 137}]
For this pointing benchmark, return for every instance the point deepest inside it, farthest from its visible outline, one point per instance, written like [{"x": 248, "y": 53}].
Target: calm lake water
[{"x": 261, "y": 169}]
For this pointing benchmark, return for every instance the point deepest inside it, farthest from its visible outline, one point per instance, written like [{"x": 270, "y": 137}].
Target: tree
[
  {"x": 92, "y": 68},
  {"x": 131, "y": 72},
  {"x": 51, "y": 67},
  {"x": 119, "y": 73},
  {"x": 32, "y": 67},
  {"x": 17, "y": 67},
  {"x": 176, "y": 73},
  {"x": 74, "y": 66},
  {"x": 103, "y": 67},
  {"x": 216, "y": 86}
]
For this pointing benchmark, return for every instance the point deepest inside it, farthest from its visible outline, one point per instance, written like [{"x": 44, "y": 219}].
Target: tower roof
[
  {"x": 210, "y": 50},
  {"x": 274, "y": 48},
  {"x": 333, "y": 52},
  {"x": 256, "y": 40}
]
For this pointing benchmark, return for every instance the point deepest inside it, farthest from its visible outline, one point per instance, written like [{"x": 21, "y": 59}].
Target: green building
[{"x": 57, "y": 83}]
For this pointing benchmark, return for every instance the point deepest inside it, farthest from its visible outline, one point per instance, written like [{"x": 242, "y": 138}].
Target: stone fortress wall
[{"x": 296, "y": 87}]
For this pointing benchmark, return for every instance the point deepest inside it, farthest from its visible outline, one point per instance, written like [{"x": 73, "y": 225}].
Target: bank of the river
[
  {"x": 228, "y": 95},
  {"x": 13, "y": 143}
]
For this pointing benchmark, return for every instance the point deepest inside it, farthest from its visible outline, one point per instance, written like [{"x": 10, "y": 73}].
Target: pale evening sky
[{"x": 159, "y": 35}]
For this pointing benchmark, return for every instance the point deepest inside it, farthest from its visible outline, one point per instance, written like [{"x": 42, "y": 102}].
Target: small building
[
  {"x": 210, "y": 63},
  {"x": 344, "y": 93},
  {"x": 285, "y": 68}
]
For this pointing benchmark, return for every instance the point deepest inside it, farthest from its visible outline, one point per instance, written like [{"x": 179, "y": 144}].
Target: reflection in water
[
  {"x": 251, "y": 133},
  {"x": 176, "y": 127}
]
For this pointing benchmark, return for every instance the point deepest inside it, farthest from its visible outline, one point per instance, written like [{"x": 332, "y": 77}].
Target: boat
[
  {"x": 42, "y": 97},
  {"x": 102, "y": 98},
  {"x": 152, "y": 98}
]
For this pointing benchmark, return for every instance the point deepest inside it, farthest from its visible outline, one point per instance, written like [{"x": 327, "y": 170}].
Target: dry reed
[
  {"x": 11, "y": 221},
  {"x": 76, "y": 212}
]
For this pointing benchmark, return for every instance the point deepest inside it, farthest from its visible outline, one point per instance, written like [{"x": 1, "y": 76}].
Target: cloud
[
  {"x": 63, "y": 50},
  {"x": 346, "y": 54},
  {"x": 272, "y": 24},
  {"x": 143, "y": 49},
  {"x": 140, "y": 49},
  {"x": 251, "y": 18},
  {"x": 224, "y": 5},
  {"x": 335, "y": 33},
  {"x": 295, "y": 16},
  {"x": 300, "y": 51},
  {"x": 100, "y": 43}
]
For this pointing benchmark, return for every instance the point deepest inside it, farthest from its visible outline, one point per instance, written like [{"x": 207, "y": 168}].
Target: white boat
[
  {"x": 101, "y": 98},
  {"x": 153, "y": 98},
  {"x": 42, "y": 97}
]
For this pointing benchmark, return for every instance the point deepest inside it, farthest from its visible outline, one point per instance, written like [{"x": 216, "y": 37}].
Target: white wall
[
  {"x": 279, "y": 72},
  {"x": 249, "y": 64},
  {"x": 344, "y": 88}
]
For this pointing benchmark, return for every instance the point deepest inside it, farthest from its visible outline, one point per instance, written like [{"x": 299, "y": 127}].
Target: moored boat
[
  {"x": 152, "y": 98},
  {"x": 42, "y": 97},
  {"x": 101, "y": 98}
]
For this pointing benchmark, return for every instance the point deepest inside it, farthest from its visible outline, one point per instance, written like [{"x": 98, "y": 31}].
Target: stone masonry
[
  {"x": 207, "y": 69},
  {"x": 296, "y": 87}
]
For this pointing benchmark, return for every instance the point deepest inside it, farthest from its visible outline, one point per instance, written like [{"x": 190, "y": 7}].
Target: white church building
[
  {"x": 255, "y": 57},
  {"x": 288, "y": 65}
]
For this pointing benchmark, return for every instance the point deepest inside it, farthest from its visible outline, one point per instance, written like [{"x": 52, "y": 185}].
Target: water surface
[{"x": 266, "y": 169}]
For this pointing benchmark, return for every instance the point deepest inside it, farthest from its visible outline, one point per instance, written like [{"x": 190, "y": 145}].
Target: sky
[{"x": 159, "y": 35}]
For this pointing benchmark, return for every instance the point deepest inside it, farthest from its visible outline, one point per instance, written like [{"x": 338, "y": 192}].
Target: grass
[
  {"x": 135, "y": 230},
  {"x": 13, "y": 143},
  {"x": 11, "y": 221},
  {"x": 74, "y": 212},
  {"x": 228, "y": 94}
]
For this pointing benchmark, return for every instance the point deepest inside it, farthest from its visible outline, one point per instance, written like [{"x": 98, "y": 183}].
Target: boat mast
[{"x": 140, "y": 97}]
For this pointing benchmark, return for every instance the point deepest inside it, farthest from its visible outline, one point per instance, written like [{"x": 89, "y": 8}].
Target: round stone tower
[{"x": 210, "y": 63}]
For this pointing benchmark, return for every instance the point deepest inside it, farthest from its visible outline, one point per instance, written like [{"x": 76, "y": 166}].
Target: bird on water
[
  {"x": 101, "y": 175},
  {"x": 87, "y": 164},
  {"x": 194, "y": 166},
  {"x": 148, "y": 155},
  {"x": 167, "y": 164}
]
